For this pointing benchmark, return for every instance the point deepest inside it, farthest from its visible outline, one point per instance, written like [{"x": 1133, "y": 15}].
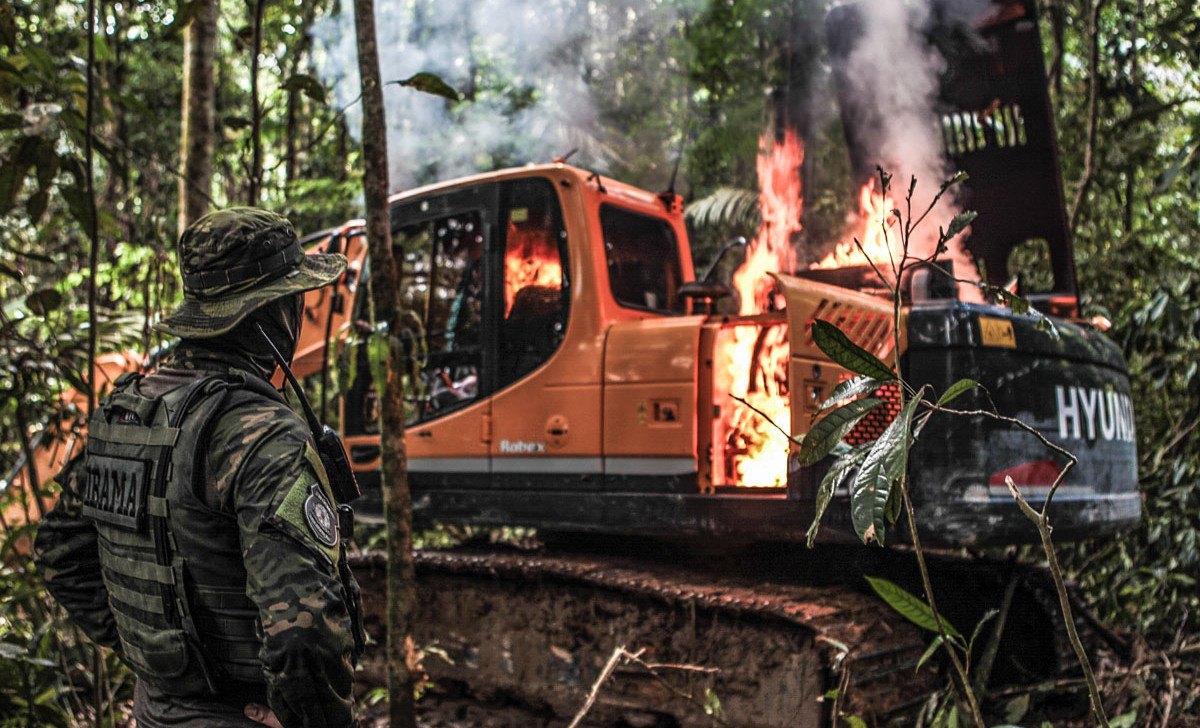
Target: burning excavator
[
  {"x": 568, "y": 370},
  {"x": 571, "y": 373}
]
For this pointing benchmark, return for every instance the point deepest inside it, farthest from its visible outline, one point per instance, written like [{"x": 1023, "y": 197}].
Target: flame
[
  {"x": 877, "y": 235},
  {"x": 531, "y": 259},
  {"x": 877, "y": 231},
  {"x": 752, "y": 359}
]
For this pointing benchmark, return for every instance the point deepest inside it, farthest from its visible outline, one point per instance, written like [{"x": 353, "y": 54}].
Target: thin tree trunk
[
  {"x": 291, "y": 136},
  {"x": 1089, "y": 150},
  {"x": 397, "y": 504},
  {"x": 254, "y": 192},
  {"x": 199, "y": 94},
  {"x": 92, "y": 229}
]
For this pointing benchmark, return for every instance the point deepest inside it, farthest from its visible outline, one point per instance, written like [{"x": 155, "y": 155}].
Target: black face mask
[{"x": 281, "y": 320}]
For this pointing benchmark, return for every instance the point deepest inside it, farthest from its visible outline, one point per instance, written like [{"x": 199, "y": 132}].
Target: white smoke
[
  {"x": 895, "y": 72},
  {"x": 542, "y": 52}
]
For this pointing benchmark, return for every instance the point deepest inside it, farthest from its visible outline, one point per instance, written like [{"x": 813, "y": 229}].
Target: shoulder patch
[{"x": 320, "y": 517}]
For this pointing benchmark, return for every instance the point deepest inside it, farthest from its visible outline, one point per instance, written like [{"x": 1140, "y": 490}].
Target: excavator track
[{"x": 539, "y": 629}]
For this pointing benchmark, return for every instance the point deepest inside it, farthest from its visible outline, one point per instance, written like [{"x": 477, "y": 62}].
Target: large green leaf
[
  {"x": 910, "y": 607},
  {"x": 871, "y": 490},
  {"x": 833, "y": 477},
  {"x": 956, "y": 389},
  {"x": 831, "y": 428},
  {"x": 852, "y": 388},
  {"x": 429, "y": 83},
  {"x": 307, "y": 85},
  {"x": 838, "y": 347}
]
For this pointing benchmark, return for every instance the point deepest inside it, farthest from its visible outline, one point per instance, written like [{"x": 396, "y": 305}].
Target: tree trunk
[
  {"x": 199, "y": 93},
  {"x": 254, "y": 191},
  {"x": 291, "y": 135},
  {"x": 397, "y": 504}
]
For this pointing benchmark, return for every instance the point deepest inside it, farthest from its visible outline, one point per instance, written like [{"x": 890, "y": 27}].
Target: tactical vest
[{"x": 178, "y": 594}]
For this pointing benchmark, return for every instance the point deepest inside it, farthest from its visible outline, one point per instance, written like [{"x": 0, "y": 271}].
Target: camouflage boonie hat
[{"x": 234, "y": 261}]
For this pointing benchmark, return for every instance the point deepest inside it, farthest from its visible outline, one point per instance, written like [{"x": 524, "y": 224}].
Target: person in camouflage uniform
[{"x": 196, "y": 535}]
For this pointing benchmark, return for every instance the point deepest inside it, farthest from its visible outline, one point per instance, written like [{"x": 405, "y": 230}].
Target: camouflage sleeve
[
  {"x": 290, "y": 545},
  {"x": 67, "y": 554}
]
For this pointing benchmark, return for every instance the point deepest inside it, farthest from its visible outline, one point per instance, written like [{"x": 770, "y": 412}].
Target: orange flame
[
  {"x": 877, "y": 230},
  {"x": 752, "y": 359},
  {"x": 878, "y": 235},
  {"x": 531, "y": 259}
]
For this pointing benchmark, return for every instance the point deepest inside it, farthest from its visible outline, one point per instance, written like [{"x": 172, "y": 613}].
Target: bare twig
[
  {"x": 619, "y": 655},
  {"x": 1042, "y": 521},
  {"x": 609, "y": 666},
  {"x": 1170, "y": 692}
]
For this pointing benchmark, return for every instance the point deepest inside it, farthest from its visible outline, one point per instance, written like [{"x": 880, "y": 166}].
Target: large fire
[
  {"x": 752, "y": 359},
  {"x": 875, "y": 238},
  {"x": 531, "y": 259}
]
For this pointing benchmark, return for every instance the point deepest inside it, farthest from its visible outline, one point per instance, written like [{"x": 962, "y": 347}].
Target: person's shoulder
[{"x": 252, "y": 413}]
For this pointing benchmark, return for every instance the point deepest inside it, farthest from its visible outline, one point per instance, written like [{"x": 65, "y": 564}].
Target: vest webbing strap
[
  {"x": 146, "y": 572},
  {"x": 142, "y": 407},
  {"x": 128, "y": 539},
  {"x": 157, "y": 506},
  {"x": 230, "y": 630},
  {"x": 141, "y": 436},
  {"x": 240, "y": 653},
  {"x": 135, "y": 599}
]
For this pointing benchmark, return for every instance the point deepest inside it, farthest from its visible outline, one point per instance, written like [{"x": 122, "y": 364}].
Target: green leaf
[
  {"x": 855, "y": 721},
  {"x": 830, "y": 429},
  {"x": 306, "y": 85},
  {"x": 40, "y": 59},
  {"x": 36, "y": 205},
  {"x": 1124, "y": 720},
  {"x": 851, "y": 388},
  {"x": 929, "y": 652},
  {"x": 833, "y": 477},
  {"x": 891, "y": 509},
  {"x": 909, "y": 606},
  {"x": 134, "y": 104},
  {"x": 1015, "y": 709},
  {"x": 846, "y": 353},
  {"x": 103, "y": 52},
  {"x": 712, "y": 703},
  {"x": 958, "y": 178},
  {"x": 44, "y": 301},
  {"x": 956, "y": 389},
  {"x": 79, "y": 204},
  {"x": 988, "y": 616},
  {"x": 960, "y": 223},
  {"x": 885, "y": 464},
  {"x": 429, "y": 83}
]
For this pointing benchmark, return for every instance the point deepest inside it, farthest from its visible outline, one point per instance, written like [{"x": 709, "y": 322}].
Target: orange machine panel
[{"x": 650, "y": 389}]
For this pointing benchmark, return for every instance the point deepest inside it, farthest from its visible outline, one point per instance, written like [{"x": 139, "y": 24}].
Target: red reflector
[{"x": 1039, "y": 472}]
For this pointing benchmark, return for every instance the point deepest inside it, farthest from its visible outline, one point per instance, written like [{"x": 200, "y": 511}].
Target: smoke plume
[
  {"x": 526, "y": 67},
  {"x": 893, "y": 75}
]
